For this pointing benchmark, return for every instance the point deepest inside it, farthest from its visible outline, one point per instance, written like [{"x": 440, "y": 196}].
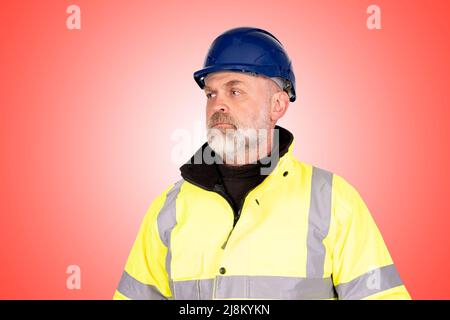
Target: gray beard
[{"x": 238, "y": 146}]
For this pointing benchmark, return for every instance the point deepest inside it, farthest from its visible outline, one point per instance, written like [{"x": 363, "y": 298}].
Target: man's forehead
[{"x": 221, "y": 79}]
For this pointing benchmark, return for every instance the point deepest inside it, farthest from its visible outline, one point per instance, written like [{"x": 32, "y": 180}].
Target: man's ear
[{"x": 279, "y": 105}]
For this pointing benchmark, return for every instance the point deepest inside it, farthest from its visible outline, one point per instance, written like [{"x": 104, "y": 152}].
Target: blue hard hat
[{"x": 250, "y": 50}]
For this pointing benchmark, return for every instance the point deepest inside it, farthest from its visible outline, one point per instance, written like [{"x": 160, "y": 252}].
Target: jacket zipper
[
  {"x": 236, "y": 218},
  {"x": 220, "y": 190}
]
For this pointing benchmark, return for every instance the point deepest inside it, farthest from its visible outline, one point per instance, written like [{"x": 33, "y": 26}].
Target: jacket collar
[{"x": 201, "y": 170}]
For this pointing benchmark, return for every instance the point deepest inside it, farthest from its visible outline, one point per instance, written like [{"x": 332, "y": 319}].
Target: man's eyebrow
[
  {"x": 233, "y": 82},
  {"x": 227, "y": 84}
]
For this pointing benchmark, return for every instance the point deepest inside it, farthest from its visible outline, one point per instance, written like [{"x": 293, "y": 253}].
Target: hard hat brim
[{"x": 265, "y": 70}]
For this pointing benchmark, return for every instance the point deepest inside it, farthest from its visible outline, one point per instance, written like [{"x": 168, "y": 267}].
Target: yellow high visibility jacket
[{"x": 303, "y": 233}]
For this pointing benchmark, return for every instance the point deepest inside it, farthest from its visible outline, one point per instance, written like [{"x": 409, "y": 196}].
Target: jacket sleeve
[
  {"x": 362, "y": 267},
  {"x": 145, "y": 276}
]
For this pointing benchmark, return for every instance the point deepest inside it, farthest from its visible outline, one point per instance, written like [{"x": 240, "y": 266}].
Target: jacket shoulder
[
  {"x": 344, "y": 193},
  {"x": 168, "y": 194},
  {"x": 347, "y": 204}
]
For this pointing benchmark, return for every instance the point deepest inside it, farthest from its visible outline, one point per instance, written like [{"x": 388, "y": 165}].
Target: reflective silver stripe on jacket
[
  {"x": 136, "y": 290},
  {"x": 319, "y": 218},
  {"x": 167, "y": 219},
  {"x": 371, "y": 282},
  {"x": 255, "y": 287}
]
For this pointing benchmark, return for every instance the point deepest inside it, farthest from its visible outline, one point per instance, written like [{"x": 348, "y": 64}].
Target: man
[{"x": 248, "y": 220}]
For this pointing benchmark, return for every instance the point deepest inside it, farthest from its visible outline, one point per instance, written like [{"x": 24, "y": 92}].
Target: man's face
[
  {"x": 238, "y": 106},
  {"x": 236, "y": 100}
]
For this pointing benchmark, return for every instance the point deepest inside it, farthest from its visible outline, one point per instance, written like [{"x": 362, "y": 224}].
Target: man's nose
[{"x": 221, "y": 106}]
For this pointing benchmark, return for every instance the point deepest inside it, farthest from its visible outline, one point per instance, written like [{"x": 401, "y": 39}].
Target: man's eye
[
  {"x": 235, "y": 92},
  {"x": 209, "y": 95}
]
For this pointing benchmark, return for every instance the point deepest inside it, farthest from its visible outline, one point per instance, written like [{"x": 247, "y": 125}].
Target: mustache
[{"x": 220, "y": 117}]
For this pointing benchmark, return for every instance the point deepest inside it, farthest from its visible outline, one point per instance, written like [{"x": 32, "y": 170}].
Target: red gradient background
[{"x": 86, "y": 118}]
